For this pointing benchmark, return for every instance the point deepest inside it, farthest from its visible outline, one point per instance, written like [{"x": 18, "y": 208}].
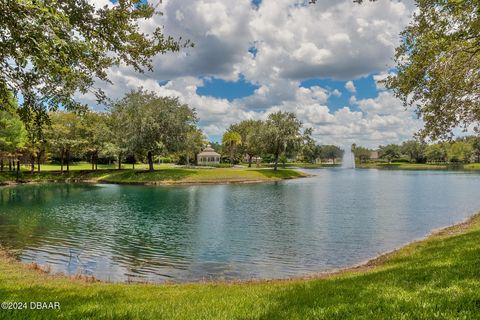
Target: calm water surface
[{"x": 335, "y": 219}]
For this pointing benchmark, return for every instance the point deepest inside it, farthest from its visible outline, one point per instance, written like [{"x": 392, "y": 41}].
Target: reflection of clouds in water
[{"x": 338, "y": 218}]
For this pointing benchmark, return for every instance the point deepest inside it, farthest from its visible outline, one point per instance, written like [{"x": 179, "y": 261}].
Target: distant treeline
[{"x": 143, "y": 127}]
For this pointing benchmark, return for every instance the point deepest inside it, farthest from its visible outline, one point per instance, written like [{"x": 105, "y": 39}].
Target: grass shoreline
[
  {"x": 162, "y": 177},
  {"x": 433, "y": 277}
]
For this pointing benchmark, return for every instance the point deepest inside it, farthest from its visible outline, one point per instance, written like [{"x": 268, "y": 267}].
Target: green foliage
[
  {"x": 52, "y": 49},
  {"x": 66, "y": 135},
  {"x": 193, "y": 143},
  {"x": 12, "y": 134},
  {"x": 436, "y": 153},
  {"x": 415, "y": 150},
  {"x": 362, "y": 154},
  {"x": 283, "y": 160},
  {"x": 437, "y": 65},
  {"x": 145, "y": 123},
  {"x": 231, "y": 140},
  {"x": 474, "y": 141},
  {"x": 331, "y": 152},
  {"x": 282, "y": 134},
  {"x": 250, "y": 134},
  {"x": 389, "y": 152},
  {"x": 459, "y": 151}
]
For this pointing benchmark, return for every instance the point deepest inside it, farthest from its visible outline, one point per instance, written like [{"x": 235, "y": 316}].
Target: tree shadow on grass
[{"x": 74, "y": 304}]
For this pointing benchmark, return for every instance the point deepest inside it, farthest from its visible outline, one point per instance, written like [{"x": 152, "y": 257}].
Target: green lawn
[
  {"x": 163, "y": 175},
  {"x": 438, "y": 278}
]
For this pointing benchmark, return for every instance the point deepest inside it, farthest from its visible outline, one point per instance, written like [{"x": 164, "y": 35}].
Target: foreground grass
[
  {"x": 419, "y": 166},
  {"x": 438, "y": 278},
  {"x": 165, "y": 175}
]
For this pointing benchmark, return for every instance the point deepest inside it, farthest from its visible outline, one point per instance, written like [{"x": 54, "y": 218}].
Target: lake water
[{"x": 135, "y": 233}]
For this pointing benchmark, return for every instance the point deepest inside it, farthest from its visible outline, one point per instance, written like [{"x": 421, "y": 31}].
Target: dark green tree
[
  {"x": 331, "y": 152},
  {"x": 436, "y": 152},
  {"x": 390, "y": 152},
  {"x": 66, "y": 136},
  {"x": 54, "y": 49},
  {"x": 437, "y": 66},
  {"x": 250, "y": 133},
  {"x": 282, "y": 134},
  {"x": 147, "y": 124},
  {"x": 362, "y": 154},
  {"x": 415, "y": 150},
  {"x": 12, "y": 137},
  {"x": 231, "y": 141}
]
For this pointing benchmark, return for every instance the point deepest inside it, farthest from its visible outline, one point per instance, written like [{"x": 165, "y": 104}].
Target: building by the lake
[{"x": 208, "y": 156}]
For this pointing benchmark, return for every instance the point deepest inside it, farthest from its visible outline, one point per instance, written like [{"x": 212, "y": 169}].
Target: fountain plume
[{"x": 348, "y": 160}]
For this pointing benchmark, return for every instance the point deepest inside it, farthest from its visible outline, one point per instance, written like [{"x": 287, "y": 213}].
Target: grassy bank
[
  {"x": 419, "y": 166},
  {"x": 166, "y": 175},
  {"x": 437, "y": 278}
]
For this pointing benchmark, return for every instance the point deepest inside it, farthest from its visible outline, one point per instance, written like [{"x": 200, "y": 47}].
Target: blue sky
[
  {"x": 231, "y": 90},
  {"x": 251, "y": 58}
]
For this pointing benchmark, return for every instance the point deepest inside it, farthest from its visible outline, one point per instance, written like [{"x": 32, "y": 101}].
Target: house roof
[{"x": 208, "y": 151}]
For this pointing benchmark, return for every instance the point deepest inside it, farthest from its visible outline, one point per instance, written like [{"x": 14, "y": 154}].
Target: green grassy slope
[{"x": 165, "y": 175}]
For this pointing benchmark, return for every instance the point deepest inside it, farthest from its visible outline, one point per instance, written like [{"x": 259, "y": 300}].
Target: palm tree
[{"x": 231, "y": 140}]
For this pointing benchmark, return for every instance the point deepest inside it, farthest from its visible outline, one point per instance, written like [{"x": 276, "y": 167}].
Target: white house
[{"x": 208, "y": 156}]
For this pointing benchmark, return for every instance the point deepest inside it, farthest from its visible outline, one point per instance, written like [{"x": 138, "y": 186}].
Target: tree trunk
[
  {"x": 32, "y": 164},
  {"x": 188, "y": 161},
  {"x": 333, "y": 159},
  {"x": 250, "y": 161},
  {"x": 62, "y": 157},
  {"x": 18, "y": 170},
  {"x": 150, "y": 161},
  {"x": 133, "y": 165},
  {"x": 92, "y": 161},
  {"x": 276, "y": 162},
  {"x": 119, "y": 162},
  {"x": 10, "y": 164},
  {"x": 38, "y": 161},
  {"x": 96, "y": 160},
  {"x": 68, "y": 160},
  {"x": 1, "y": 164}
]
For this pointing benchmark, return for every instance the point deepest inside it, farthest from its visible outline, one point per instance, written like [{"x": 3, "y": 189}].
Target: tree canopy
[
  {"x": 231, "y": 140},
  {"x": 151, "y": 124},
  {"x": 53, "y": 49},
  {"x": 437, "y": 66},
  {"x": 250, "y": 134},
  {"x": 282, "y": 134}
]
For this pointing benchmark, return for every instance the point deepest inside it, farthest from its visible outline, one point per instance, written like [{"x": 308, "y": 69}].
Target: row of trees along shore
[
  {"x": 462, "y": 150},
  {"x": 53, "y": 50},
  {"x": 137, "y": 128},
  {"x": 143, "y": 126}
]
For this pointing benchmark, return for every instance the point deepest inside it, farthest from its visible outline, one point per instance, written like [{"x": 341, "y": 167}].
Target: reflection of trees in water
[
  {"x": 24, "y": 214},
  {"x": 134, "y": 227},
  {"x": 151, "y": 228}
]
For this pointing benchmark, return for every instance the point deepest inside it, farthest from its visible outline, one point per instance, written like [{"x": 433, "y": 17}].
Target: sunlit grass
[{"x": 164, "y": 174}]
